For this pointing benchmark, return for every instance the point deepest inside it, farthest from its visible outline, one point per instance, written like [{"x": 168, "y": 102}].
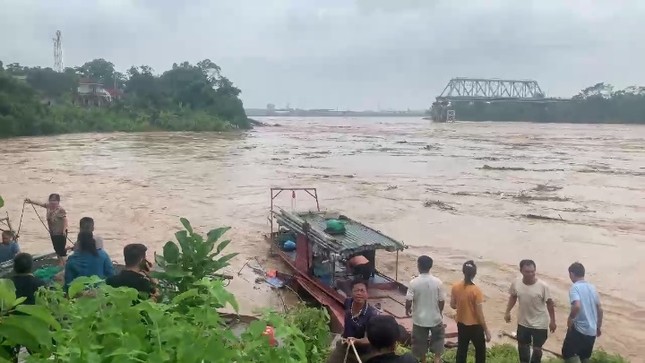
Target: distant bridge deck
[
  {"x": 494, "y": 90},
  {"x": 502, "y": 99}
]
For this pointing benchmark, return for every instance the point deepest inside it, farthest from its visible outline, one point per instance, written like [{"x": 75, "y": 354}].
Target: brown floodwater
[{"x": 454, "y": 191}]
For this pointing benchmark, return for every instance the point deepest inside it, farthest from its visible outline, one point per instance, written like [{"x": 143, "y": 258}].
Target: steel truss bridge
[{"x": 486, "y": 90}]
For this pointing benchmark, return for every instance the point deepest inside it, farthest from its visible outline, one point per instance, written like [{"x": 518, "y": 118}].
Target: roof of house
[{"x": 356, "y": 239}]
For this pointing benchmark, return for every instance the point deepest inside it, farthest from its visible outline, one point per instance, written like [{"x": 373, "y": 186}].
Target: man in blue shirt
[
  {"x": 358, "y": 313},
  {"x": 585, "y": 319},
  {"x": 9, "y": 247}
]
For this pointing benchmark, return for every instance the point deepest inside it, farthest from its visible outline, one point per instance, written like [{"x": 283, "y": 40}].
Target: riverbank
[{"x": 38, "y": 101}]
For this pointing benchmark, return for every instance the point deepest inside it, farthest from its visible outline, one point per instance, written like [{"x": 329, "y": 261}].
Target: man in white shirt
[
  {"x": 536, "y": 313},
  {"x": 425, "y": 301}
]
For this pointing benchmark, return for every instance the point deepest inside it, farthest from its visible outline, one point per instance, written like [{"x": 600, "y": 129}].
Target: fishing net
[{"x": 47, "y": 273}]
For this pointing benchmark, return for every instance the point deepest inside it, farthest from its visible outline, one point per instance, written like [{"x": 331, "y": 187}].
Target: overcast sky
[{"x": 356, "y": 54}]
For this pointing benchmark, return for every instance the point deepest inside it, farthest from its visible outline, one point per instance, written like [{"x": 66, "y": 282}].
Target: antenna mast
[{"x": 58, "y": 52}]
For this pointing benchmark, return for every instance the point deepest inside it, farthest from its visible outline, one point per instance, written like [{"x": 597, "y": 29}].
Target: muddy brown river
[{"x": 493, "y": 192}]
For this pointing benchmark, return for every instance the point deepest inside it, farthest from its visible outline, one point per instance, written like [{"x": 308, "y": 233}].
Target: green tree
[
  {"x": 51, "y": 83},
  {"x": 187, "y": 97}
]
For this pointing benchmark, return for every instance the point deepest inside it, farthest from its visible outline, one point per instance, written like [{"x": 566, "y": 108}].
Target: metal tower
[{"x": 58, "y": 52}]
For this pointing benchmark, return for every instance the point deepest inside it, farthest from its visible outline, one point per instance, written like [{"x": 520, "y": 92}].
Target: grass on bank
[{"x": 507, "y": 353}]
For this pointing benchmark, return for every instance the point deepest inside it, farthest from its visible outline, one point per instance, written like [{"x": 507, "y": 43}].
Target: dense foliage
[
  {"x": 595, "y": 104},
  {"x": 98, "y": 323},
  {"x": 40, "y": 101}
]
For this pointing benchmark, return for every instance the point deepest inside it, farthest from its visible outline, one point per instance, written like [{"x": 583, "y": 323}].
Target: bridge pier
[{"x": 442, "y": 112}]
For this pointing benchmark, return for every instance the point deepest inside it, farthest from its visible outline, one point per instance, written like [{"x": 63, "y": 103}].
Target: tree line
[
  {"x": 599, "y": 103},
  {"x": 189, "y": 97}
]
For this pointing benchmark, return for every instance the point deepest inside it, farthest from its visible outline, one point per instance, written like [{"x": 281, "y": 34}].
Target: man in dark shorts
[
  {"x": 383, "y": 333},
  {"x": 57, "y": 225},
  {"x": 536, "y": 315},
  {"x": 135, "y": 274},
  {"x": 585, "y": 320}
]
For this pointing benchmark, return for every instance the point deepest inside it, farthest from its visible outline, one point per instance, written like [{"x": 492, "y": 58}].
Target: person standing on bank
[
  {"x": 57, "y": 225},
  {"x": 425, "y": 301},
  {"x": 468, "y": 299},
  {"x": 585, "y": 320},
  {"x": 533, "y": 320}
]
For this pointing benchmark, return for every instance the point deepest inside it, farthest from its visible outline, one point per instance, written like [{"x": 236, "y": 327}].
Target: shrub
[{"x": 105, "y": 326}]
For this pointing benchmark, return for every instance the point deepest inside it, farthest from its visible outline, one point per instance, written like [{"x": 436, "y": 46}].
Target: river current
[{"x": 490, "y": 191}]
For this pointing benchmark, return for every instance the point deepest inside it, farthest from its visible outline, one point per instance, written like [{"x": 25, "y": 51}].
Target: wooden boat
[
  {"x": 317, "y": 261},
  {"x": 40, "y": 261}
]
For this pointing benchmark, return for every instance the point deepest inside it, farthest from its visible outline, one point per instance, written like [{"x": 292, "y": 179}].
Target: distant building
[
  {"x": 20, "y": 78},
  {"x": 90, "y": 93}
]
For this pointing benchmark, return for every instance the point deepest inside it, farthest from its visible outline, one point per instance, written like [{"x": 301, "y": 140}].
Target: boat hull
[{"x": 384, "y": 292}]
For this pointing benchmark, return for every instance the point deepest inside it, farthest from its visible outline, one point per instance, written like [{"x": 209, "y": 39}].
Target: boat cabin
[{"x": 304, "y": 237}]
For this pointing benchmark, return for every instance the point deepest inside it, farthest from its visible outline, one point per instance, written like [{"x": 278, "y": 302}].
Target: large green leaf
[
  {"x": 38, "y": 330},
  {"x": 1, "y": 202},
  {"x": 185, "y": 242},
  {"x": 77, "y": 286},
  {"x": 40, "y": 312},
  {"x": 18, "y": 334},
  {"x": 171, "y": 252},
  {"x": 215, "y": 234},
  {"x": 185, "y": 295},
  {"x": 222, "y": 245},
  {"x": 186, "y": 225},
  {"x": 7, "y": 294}
]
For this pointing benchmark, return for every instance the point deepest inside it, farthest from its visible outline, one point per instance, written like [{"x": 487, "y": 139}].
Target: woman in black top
[{"x": 25, "y": 282}]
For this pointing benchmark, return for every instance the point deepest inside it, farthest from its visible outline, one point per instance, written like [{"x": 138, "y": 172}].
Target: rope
[
  {"x": 350, "y": 343},
  {"x": 22, "y": 213},
  {"x": 41, "y": 220},
  {"x": 47, "y": 228}
]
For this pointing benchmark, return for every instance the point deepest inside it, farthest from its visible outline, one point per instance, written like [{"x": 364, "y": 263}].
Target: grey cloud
[{"x": 339, "y": 53}]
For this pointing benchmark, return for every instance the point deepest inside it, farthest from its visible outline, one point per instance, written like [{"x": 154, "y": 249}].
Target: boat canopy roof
[{"x": 357, "y": 238}]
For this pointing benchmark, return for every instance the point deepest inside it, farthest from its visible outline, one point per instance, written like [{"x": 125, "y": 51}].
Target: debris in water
[
  {"x": 546, "y": 188},
  {"x": 512, "y": 168},
  {"x": 487, "y": 158},
  {"x": 544, "y": 218},
  {"x": 402, "y": 142},
  {"x": 523, "y": 197},
  {"x": 391, "y": 187},
  {"x": 439, "y": 204}
]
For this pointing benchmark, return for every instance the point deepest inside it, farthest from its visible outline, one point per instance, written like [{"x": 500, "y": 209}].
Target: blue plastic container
[{"x": 289, "y": 246}]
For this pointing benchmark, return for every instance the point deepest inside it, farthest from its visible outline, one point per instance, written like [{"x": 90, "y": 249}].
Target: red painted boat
[{"x": 317, "y": 261}]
